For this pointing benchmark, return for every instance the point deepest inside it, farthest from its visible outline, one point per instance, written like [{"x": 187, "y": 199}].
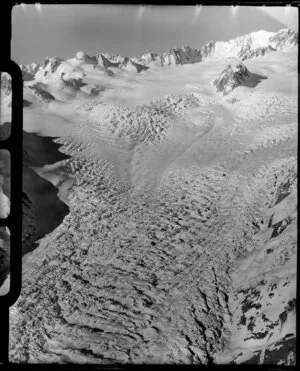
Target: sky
[{"x": 40, "y": 31}]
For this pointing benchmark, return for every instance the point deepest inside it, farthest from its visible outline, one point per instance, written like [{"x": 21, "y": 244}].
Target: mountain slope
[
  {"x": 236, "y": 74},
  {"x": 246, "y": 47}
]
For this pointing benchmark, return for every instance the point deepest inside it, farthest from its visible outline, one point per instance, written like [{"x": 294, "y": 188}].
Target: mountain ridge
[{"x": 247, "y": 46}]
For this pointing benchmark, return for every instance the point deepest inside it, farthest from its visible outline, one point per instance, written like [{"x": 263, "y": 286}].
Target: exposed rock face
[
  {"x": 42, "y": 210},
  {"x": 134, "y": 66},
  {"x": 51, "y": 64},
  {"x": 284, "y": 37},
  {"x": 208, "y": 49},
  {"x": 105, "y": 60},
  {"x": 247, "y": 52},
  {"x": 149, "y": 59},
  {"x": 42, "y": 94},
  {"x": 26, "y": 103},
  {"x": 183, "y": 55},
  {"x": 74, "y": 83},
  {"x": 29, "y": 70},
  {"x": 175, "y": 56},
  {"x": 106, "y": 63},
  {"x": 236, "y": 75},
  {"x": 253, "y": 45},
  {"x": 27, "y": 76},
  {"x": 28, "y": 222},
  {"x": 118, "y": 61}
]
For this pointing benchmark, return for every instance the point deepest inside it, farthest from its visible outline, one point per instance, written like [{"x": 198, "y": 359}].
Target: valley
[{"x": 179, "y": 244}]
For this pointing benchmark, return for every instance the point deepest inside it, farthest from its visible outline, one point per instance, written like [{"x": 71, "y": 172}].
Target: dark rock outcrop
[
  {"x": 42, "y": 94},
  {"x": 43, "y": 211},
  {"x": 247, "y": 52},
  {"x": 236, "y": 75}
]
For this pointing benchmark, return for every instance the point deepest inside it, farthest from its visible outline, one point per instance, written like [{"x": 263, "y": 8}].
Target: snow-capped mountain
[
  {"x": 247, "y": 52},
  {"x": 135, "y": 66},
  {"x": 234, "y": 75},
  {"x": 183, "y": 55},
  {"x": 106, "y": 61},
  {"x": 81, "y": 56},
  {"x": 253, "y": 44},
  {"x": 56, "y": 68},
  {"x": 283, "y": 38},
  {"x": 29, "y": 70}
]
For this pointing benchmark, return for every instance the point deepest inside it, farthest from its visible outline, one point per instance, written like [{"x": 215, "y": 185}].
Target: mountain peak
[
  {"x": 234, "y": 75},
  {"x": 286, "y": 37},
  {"x": 252, "y": 45},
  {"x": 255, "y": 44}
]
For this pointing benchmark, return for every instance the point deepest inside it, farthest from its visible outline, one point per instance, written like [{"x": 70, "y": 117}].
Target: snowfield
[{"x": 180, "y": 241}]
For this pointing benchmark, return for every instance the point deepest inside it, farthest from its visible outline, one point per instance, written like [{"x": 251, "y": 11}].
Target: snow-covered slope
[
  {"x": 179, "y": 244},
  {"x": 183, "y": 55},
  {"x": 254, "y": 44},
  {"x": 264, "y": 300}
]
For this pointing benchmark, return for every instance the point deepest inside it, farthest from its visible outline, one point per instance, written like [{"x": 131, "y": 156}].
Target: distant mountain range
[
  {"x": 244, "y": 47},
  {"x": 234, "y": 75},
  {"x": 69, "y": 74}
]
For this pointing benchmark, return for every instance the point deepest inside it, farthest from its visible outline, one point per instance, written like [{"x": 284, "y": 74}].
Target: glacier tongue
[{"x": 180, "y": 241}]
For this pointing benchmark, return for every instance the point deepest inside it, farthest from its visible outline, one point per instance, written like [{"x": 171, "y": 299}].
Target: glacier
[{"x": 179, "y": 245}]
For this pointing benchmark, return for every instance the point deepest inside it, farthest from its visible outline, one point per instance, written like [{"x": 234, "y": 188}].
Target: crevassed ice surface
[{"x": 180, "y": 243}]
